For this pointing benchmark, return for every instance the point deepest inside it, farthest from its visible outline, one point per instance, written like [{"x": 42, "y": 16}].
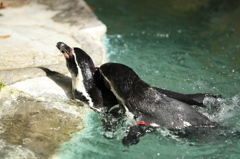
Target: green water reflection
[
  {"x": 163, "y": 41},
  {"x": 181, "y": 45}
]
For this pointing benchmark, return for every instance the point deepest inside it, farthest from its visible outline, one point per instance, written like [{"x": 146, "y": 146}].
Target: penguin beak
[{"x": 65, "y": 49}]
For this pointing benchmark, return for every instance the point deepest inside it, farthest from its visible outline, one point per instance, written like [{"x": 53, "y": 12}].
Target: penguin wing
[
  {"x": 191, "y": 99},
  {"x": 158, "y": 109}
]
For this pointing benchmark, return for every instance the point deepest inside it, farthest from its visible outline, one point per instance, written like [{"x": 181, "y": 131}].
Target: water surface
[{"x": 190, "y": 48}]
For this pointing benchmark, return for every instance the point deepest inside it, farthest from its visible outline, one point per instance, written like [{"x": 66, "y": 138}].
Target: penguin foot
[{"x": 135, "y": 132}]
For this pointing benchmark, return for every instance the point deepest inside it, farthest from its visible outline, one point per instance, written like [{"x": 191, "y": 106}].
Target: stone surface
[
  {"x": 37, "y": 113},
  {"x": 46, "y": 88},
  {"x": 16, "y": 75},
  {"x": 29, "y": 33},
  {"x": 38, "y": 126},
  {"x": 6, "y": 151}
]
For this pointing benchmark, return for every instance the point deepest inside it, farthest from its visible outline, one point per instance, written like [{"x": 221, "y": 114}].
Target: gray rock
[
  {"x": 8, "y": 151},
  {"x": 37, "y": 127},
  {"x": 37, "y": 112},
  {"x": 15, "y": 75},
  {"x": 29, "y": 34}
]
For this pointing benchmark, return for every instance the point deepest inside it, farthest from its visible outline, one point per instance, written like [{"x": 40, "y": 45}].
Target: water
[{"x": 188, "y": 48}]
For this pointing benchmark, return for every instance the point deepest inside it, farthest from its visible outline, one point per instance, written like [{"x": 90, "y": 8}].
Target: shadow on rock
[{"x": 61, "y": 80}]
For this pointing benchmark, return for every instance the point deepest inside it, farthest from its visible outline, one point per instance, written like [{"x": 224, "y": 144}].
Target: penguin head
[
  {"x": 65, "y": 49},
  {"x": 82, "y": 69},
  {"x": 119, "y": 78},
  {"x": 70, "y": 58},
  {"x": 78, "y": 62}
]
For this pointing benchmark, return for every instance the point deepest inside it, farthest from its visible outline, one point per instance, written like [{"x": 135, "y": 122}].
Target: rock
[
  {"x": 37, "y": 126},
  {"x": 37, "y": 113},
  {"x": 30, "y": 33},
  {"x": 16, "y": 75},
  {"x": 9, "y": 151},
  {"x": 44, "y": 87}
]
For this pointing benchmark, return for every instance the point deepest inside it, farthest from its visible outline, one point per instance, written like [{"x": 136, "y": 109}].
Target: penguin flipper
[
  {"x": 191, "y": 99},
  {"x": 134, "y": 133}
]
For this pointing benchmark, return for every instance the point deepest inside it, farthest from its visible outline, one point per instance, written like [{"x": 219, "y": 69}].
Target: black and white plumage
[
  {"x": 146, "y": 103},
  {"x": 82, "y": 69},
  {"x": 112, "y": 83}
]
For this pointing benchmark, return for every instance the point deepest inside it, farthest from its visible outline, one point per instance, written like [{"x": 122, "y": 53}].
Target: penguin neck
[
  {"x": 77, "y": 80},
  {"x": 77, "y": 83},
  {"x": 121, "y": 101},
  {"x": 78, "y": 87}
]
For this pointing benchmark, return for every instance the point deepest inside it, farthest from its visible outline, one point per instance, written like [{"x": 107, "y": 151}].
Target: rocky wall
[{"x": 37, "y": 112}]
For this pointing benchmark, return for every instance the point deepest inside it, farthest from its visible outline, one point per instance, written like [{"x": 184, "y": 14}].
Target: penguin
[
  {"x": 109, "y": 100},
  {"x": 145, "y": 104},
  {"x": 82, "y": 70},
  {"x": 191, "y": 99}
]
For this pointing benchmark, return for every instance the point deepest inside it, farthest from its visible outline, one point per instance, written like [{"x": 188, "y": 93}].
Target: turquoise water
[{"x": 190, "y": 48}]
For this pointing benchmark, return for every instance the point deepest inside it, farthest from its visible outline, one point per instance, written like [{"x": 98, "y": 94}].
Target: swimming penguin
[
  {"x": 144, "y": 103},
  {"x": 82, "y": 69},
  {"x": 192, "y": 99}
]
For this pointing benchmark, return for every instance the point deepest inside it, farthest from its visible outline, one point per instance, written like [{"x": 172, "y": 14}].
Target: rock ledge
[{"x": 36, "y": 110}]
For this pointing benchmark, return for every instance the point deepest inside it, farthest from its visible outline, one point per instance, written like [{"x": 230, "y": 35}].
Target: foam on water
[{"x": 224, "y": 110}]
